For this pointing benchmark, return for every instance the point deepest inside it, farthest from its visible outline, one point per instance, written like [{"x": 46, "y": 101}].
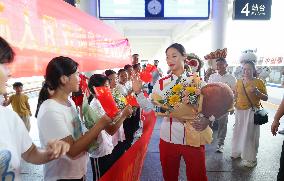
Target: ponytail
[{"x": 43, "y": 95}]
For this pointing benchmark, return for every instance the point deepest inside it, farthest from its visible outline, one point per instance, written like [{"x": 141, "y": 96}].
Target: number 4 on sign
[{"x": 245, "y": 9}]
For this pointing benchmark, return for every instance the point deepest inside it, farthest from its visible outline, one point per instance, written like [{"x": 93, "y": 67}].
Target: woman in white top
[
  {"x": 172, "y": 133},
  {"x": 15, "y": 142},
  {"x": 130, "y": 73},
  {"x": 119, "y": 136},
  {"x": 58, "y": 119},
  {"x": 102, "y": 158},
  {"x": 131, "y": 124},
  {"x": 122, "y": 85}
]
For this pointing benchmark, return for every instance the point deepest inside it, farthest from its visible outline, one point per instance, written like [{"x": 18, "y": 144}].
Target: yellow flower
[
  {"x": 191, "y": 90},
  {"x": 123, "y": 99},
  {"x": 197, "y": 91},
  {"x": 177, "y": 88},
  {"x": 196, "y": 79},
  {"x": 174, "y": 99}
]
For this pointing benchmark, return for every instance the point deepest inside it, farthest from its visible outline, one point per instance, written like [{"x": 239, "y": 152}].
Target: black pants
[
  {"x": 101, "y": 165},
  {"x": 130, "y": 125},
  {"x": 118, "y": 151},
  {"x": 136, "y": 119},
  {"x": 128, "y": 132},
  {"x": 280, "y": 176}
]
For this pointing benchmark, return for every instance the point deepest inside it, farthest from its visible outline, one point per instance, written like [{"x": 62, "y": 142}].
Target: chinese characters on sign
[
  {"x": 257, "y": 10},
  {"x": 252, "y": 9},
  {"x": 270, "y": 61},
  {"x": 40, "y": 30},
  {"x": 264, "y": 61}
]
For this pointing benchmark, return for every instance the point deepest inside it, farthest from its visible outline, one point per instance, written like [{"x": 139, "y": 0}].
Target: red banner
[
  {"x": 129, "y": 166},
  {"x": 42, "y": 29}
]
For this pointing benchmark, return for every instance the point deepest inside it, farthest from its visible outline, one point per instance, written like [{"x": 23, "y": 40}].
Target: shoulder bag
[{"x": 260, "y": 115}]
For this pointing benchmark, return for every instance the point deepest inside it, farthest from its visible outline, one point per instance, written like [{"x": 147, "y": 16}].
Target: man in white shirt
[
  {"x": 156, "y": 75},
  {"x": 222, "y": 76}
]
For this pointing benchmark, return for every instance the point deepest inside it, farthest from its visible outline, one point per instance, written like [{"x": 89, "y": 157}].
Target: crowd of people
[{"x": 68, "y": 144}]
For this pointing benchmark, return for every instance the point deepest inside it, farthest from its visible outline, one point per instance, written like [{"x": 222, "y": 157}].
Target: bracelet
[{"x": 116, "y": 118}]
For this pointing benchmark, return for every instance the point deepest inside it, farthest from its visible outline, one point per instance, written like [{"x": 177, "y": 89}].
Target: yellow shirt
[
  {"x": 242, "y": 101},
  {"x": 20, "y": 104}
]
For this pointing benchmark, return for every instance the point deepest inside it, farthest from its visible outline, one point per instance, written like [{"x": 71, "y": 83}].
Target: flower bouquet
[
  {"x": 182, "y": 100},
  {"x": 119, "y": 99}
]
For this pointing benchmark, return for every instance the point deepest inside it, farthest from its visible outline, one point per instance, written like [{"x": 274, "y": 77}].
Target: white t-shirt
[
  {"x": 226, "y": 78},
  {"x": 128, "y": 85},
  {"x": 104, "y": 140},
  {"x": 118, "y": 136},
  {"x": 56, "y": 121},
  {"x": 122, "y": 89},
  {"x": 14, "y": 141}
]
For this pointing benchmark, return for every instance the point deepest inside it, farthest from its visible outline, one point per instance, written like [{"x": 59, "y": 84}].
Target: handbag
[{"x": 260, "y": 115}]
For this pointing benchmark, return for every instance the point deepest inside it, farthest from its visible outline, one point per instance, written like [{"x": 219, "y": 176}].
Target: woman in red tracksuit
[{"x": 172, "y": 133}]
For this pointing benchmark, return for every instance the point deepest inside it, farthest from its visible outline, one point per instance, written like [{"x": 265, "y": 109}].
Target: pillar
[{"x": 219, "y": 21}]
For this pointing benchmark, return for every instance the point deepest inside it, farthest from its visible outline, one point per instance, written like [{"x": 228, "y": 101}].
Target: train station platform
[{"x": 220, "y": 167}]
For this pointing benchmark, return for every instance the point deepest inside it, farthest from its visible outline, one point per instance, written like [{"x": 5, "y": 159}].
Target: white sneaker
[
  {"x": 220, "y": 149},
  {"x": 249, "y": 164}
]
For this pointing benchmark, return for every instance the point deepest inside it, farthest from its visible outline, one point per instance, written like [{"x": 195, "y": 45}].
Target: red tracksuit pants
[{"x": 194, "y": 157}]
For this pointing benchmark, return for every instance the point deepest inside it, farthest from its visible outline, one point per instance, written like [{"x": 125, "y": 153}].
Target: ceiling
[{"x": 149, "y": 38}]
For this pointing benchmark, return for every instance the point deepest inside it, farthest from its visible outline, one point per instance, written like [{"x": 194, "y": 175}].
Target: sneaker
[
  {"x": 249, "y": 164},
  {"x": 281, "y": 131},
  {"x": 220, "y": 149}
]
